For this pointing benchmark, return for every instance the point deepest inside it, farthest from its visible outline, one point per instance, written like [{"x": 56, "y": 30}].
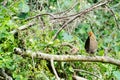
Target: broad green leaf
[
  {"x": 24, "y": 7},
  {"x": 117, "y": 74},
  {"x": 67, "y": 36}
]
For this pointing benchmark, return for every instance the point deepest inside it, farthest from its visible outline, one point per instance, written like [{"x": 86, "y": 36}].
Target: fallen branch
[{"x": 82, "y": 58}]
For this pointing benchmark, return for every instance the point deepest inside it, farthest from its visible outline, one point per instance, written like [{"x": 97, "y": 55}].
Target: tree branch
[
  {"x": 79, "y": 15},
  {"x": 55, "y": 72},
  {"x": 87, "y": 73},
  {"x": 40, "y": 15},
  {"x": 7, "y": 77},
  {"x": 23, "y": 27},
  {"x": 75, "y": 77},
  {"x": 115, "y": 18},
  {"x": 103, "y": 59}
]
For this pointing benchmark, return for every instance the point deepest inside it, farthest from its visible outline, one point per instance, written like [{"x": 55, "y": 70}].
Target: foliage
[{"x": 39, "y": 37}]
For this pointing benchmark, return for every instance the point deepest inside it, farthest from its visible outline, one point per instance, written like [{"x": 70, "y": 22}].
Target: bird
[{"x": 91, "y": 43}]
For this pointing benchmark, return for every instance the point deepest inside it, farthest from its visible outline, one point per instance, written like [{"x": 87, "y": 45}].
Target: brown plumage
[{"x": 91, "y": 43}]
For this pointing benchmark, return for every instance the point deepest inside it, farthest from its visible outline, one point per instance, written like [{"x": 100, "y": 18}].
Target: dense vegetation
[{"x": 103, "y": 21}]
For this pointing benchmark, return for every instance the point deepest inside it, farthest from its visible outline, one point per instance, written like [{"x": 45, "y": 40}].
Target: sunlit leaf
[
  {"x": 117, "y": 74},
  {"x": 24, "y": 7},
  {"x": 67, "y": 36}
]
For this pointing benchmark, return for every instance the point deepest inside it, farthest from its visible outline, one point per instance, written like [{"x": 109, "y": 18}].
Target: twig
[
  {"x": 23, "y": 27},
  {"x": 73, "y": 50},
  {"x": 113, "y": 15},
  {"x": 1, "y": 77},
  {"x": 87, "y": 72},
  {"x": 75, "y": 77},
  {"x": 55, "y": 72},
  {"x": 66, "y": 17},
  {"x": 103, "y": 59},
  {"x": 7, "y": 77},
  {"x": 52, "y": 15},
  {"x": 39, "y": 15},
  {"x": 71, "y": 14},
  {"x": 106, "y": 51},
  {"x": 67, "y": 44},
  {"x": 79, "y": 15},
  {"x": 4, "y": 2},
  {"x": 67, "y": 9}
]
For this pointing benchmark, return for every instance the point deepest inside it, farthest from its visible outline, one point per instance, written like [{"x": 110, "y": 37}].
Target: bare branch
[
  {"x": 79, "y": 15},
  {"x": 40, "y": 15},
  {"x": 113, "y": 15},
  {"x": 75, "y": 77},
  {"x": 55, "y": 72},
  {"x": 4, "y": 2},
  {"x": 67, "y": 44},
  {"x": 7, "y": 77},
  {"x": 87, "y": 72},
  {"x": 23, "y": 27},
  {"x": 73, "y": 50},
  {"x": 103, "y": 59},
  {"x": 68, "y": 10},
  {"x": 52, "y": 15}
]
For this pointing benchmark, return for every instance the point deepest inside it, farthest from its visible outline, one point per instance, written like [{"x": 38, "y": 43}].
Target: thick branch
[{"x": 103, "y": 59}]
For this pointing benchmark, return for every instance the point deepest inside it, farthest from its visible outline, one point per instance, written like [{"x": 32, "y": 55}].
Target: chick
[{"x": 91, "y": 43}]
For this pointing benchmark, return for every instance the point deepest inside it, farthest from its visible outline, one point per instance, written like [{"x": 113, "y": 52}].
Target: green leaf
[
  {"x": 71, "y": 69},
  {"x": 24, "y": 7},
  {"x": 67, "y": 36},
  {"x": 117, "y": 74}
]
